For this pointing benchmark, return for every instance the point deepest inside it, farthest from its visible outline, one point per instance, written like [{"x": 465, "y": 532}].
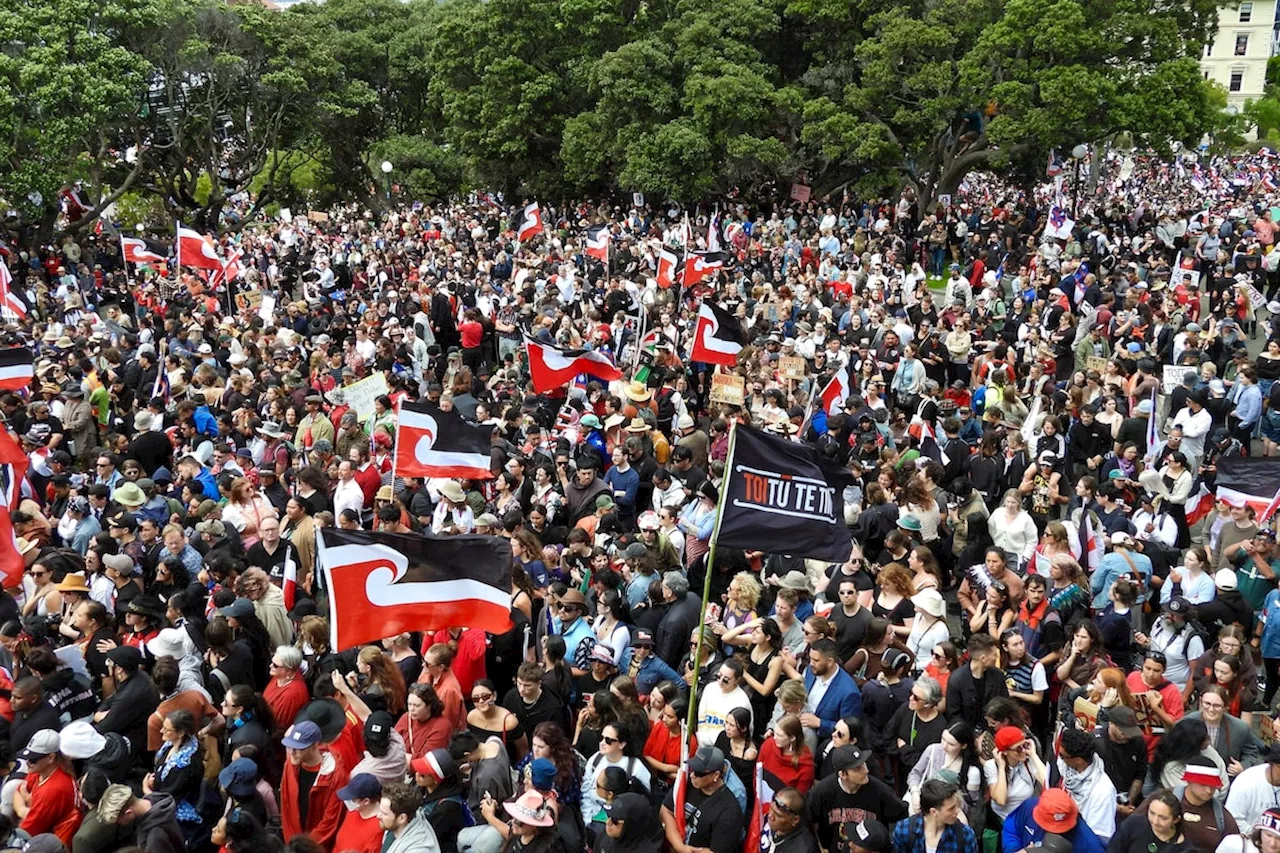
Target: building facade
[{"x": 1237, "y": 58}]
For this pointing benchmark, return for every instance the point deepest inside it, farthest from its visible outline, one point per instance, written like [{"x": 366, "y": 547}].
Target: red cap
[{"x": 1008, "y": 737}]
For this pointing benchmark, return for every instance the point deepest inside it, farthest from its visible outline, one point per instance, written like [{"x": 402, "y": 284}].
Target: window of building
[
  {"x": 1246, "y": 12},
  {"x": 1237, "y": 81},
  {"x": 1242, "y": 44}
]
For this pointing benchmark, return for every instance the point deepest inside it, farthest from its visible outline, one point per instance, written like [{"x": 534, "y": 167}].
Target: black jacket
[
  {"x": 158, "y": 831},
  {"x": 128, "y": 710},
  {"x": 1228, "y": 607},
  {"x": 966, "y": 698},
  {"x": 672, "y": 637}
]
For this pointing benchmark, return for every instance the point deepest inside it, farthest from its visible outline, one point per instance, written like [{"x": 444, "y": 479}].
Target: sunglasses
[
  {"x": 784, "y": 809},
  {"x": 609, "y": 740}
]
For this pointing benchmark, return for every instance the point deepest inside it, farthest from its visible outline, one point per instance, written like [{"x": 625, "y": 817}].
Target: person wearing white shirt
[
  {"x": 1085, "y": 778},
  {"x": 1195, "y": 422},
  {"x": 1153, "y": 526},
  {"x": 348, "y": 494},
  {"x": 1255, "y": 791}
]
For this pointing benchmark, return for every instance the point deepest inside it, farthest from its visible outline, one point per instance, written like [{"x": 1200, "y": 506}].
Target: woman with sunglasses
[
  {"x": 918, "y": 723},
  {"x": 718, "y": 699},
  {"x": 995, "y": 614},
  {"x": 612, "y": 755},
  {"x": 489, "y": 719},
  {"x": 1013, "y": 771}
]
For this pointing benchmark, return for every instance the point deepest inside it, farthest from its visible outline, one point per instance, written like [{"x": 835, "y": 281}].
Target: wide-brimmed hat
[
  {"x": 74, "y": 582},
  {"x": 532, "y": 809},
  {"x": 170, "y": 642},
  {"x": 638, "y": 425},
  {"x": 147, "y": 605},
  {"x": 452, "y": 492},
  {"x": 325, "y": 713},
  {"x": 931, "y": 602},
  {"x": 638, "y": 392},
  {"x": 271, "y": 429},
  {"x": 129, "y": 495},
  {"x": 796, "y": 579}
]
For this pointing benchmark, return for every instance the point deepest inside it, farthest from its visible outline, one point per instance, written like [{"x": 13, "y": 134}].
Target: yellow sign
[
  {"x": 792, "y": 367},
  {"x": 728, "y": 388}
]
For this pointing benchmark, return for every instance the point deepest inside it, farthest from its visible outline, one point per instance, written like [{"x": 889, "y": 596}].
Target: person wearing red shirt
[
  {"x": 423, "y": 726},
  {"x": 1162, "y": 698},
  {"x": 46, "y": 801},
  {"x": 472, "y": 333},
  {"x": 469, "y": 646},
  {"x": 367, "y": 474},
  {"x": 286, "y": 692},
  {"x": 309, "y": 801},
  {"x": 436, "y": 671},
  {"x": 786, "y": 757},
  {"x": 360, "y": 831},
  {"x": 662, "y": 747}
]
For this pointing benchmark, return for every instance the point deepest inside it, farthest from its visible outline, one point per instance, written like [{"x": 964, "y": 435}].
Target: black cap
[
  {"x": 866, "y": 835},
  {"x": 848, "y": 758},
  {"x": 643, "y": 638},
  {"x": 377, "y": 729},
  {"x": 125, "y": 657},
  {"x": 708, "y": 759},
  {"x": 1051, "y": 843},
  {"x": 628, "y": 807}
]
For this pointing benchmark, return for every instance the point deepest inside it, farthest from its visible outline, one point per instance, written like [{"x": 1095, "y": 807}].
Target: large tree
[
  {"x": 929, "y": 90},
  {"x": 70, "y": 93}
]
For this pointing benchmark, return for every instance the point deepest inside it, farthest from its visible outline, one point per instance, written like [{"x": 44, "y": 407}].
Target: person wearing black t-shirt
[
  {"x": 532, "y": 704},
  {"x": 713, "y": 821},
  {"x": 850, "y": 795},
  {"x": 271, "y": 552},
  {"x": 851, "y": 618}
]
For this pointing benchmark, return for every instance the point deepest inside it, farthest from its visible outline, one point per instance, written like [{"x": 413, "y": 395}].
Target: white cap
[{"x": 1225, "y": 579}]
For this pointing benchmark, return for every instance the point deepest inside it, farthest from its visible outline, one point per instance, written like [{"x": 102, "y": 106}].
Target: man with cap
[
  {"x": 712, "y": 819},
  {"x": 1196, "y": 422},
  {"x": 127, "y": 710},
  {"x": 314, "y": 425},
  {"x": 630, "y": 826},
  {"x": 1053, "y": 811},
  {"x": 937, "y": 828},
  {"x": 153, "y": 818},
  {"x": 1227, "y": 607},
  {"x": 78, "y": 525},
  {"x": 646, "y": 669},
  {"x": 269, "y": 483},
  {"x": 360, "y": 831},
  {"x": 1124, "y": 755},
  {"x": 1204, "y": 820},
  {"x": 312, "y": 778},
  {"x": 1162, "y": 697},
  {"x": 850, "y": 793},
  {"x": 46, "y": 800},
  {"x": 1177, "y": 641},
  {"x": 152, "y": 449}
]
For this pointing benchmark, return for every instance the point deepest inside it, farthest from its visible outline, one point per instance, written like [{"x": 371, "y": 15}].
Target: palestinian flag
[
  {"x": 17, "y": 368},
  {"x": 431, "y": 442},
  {"x": 136, "y": 250},
  {"x": 551, "y": 367},
  {"x": 383, "y": 584},
  {"x": 1250, "y": 481},
  {"x": 700, "y": 265},
  {"x": 718, "y": 337},
  {"x": 598, "y": 244}
]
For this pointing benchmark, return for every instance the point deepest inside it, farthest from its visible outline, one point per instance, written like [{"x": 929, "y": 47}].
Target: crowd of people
[{"x": 976, "y": 675}]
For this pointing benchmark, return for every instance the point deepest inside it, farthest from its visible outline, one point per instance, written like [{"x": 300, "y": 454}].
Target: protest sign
[
  {"x": 792, "y": 367},
  {"x": 728, "y": 388},
  {"x": 1096, "y": 362},
  {"x": 360, "y": 395},
  {"x": 800, "y": 192},
  {"x": 1172, "y": 378}
]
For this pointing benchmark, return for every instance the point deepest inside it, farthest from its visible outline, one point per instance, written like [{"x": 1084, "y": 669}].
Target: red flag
[
  {"x": 431, "y": 442},
  {"x": 197, "y": 250},
  {"x": 13, "y": 468},
  {"x": 229, "y": 271},
  {"x": 551, "y": 367},
  {"x": 1200, "y": 505},
  {"x": 531, "y": 224},
  {"x": 700, "y": 265},
  {"x": 718, "y": 337},
  {"x": 598, "y": 244},
  {"x": 289, "y": 587},
  {"x": 666, "y": 268},
  {"x": 837, "y": 391},
  {"x": 9, "y": 301}
]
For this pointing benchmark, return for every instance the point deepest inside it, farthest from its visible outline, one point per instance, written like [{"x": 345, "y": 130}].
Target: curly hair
[{"x": 560, "y": 751}]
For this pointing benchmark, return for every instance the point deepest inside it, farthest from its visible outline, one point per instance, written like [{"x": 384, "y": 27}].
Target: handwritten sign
[
  {"x": 729, "y": 389},
  {"x": 1172, "y": 377},
  {"x": 800, "y": 192},
  {"x": 792, "y": 367},
  {"x": 247, "y": 300},
  {"x": 1096, "y": 362},
  {"x": 318, "y": 216},
  {"x": 360, "y": 395}
]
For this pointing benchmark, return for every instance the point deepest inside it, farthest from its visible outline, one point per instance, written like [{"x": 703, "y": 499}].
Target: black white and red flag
[
  {"x": 431, "y": 442},
  {"x": 17, "y": 368},
  {"x": 384, "y": 584},
  {"x": 137, "y": 250},
  {"x": 598, "y": 244},
  {"x": 718, "y": 337},
  {"x": 551, "y": 367}
]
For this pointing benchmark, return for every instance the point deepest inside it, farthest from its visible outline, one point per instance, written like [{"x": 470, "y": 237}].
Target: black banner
[{"x": 781, "y": 499}]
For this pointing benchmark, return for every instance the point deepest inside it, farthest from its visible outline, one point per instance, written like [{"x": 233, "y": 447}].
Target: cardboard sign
[
  {"x": 800, "y": 192},
  {"x": 792, "y": 367},
  {"x": 1172, "y": 377},
  {"x": 729, "y": 389},
  {"x": 1096, "y": 362},
  {"x": 360, "y": 395},
  {"x": 318, "y": 216},
  {"x": 247, "y": 300}
]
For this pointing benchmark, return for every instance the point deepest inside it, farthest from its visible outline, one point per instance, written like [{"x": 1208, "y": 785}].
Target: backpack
[
  {"x": 638, "y": 787},
  {"x": 666, "y": 408},
  {"x": 1196, "y": 630}
]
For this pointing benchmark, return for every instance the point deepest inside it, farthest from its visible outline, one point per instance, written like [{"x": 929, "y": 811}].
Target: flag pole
[{"x": 706, "y": 582}]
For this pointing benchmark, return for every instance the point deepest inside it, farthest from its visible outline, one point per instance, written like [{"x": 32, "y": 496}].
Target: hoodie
[
  {"x": 417, "y": 837},
  {"x": 158, "y": 831},
  {"x": 274, "y": 616},
  {"x": 388, "y": 768},
  {"x": 114, "y": 760}
]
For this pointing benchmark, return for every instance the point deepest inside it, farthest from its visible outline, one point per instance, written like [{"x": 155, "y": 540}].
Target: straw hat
[{"x": 638, "y": 392}]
